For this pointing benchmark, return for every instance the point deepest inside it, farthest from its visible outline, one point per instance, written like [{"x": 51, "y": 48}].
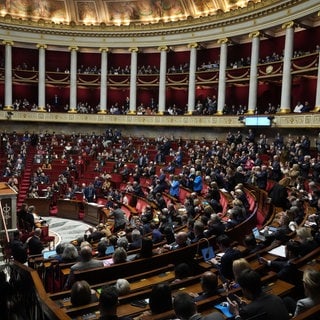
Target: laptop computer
[
  {"x": 207, "y": 253},
  {"x": 109, "y": 250},
  {"x": 49, "y": 254},
  {"x": 258, "y": 235}
]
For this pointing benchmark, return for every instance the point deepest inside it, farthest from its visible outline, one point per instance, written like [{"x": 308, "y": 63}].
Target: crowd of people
[{"x": 204, "y": 167}]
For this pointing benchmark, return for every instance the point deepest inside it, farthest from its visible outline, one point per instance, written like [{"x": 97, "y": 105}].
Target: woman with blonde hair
[
  {"x": 238, "y": 266},
  {"x": 311, "y": 283}
]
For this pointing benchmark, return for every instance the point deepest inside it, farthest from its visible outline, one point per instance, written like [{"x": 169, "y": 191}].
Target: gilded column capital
[
  {"x": 254, "y": 34},
  {"x": 193, "y": 45},
  {"x": 133, "y": 49},
  {"x": 223, "y": 40},
  {"x": 8, "y": 42},
  {"x": 104, "y": 49},
  {"x": 73, "y": 48},
  {"x": 41, "y": 46},
  {"x": 288, "y": 25},
  {"x": 163, "y": 48}
]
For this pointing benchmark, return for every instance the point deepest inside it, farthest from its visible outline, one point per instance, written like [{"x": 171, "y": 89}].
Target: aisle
[{"x": 66, "y": 230}]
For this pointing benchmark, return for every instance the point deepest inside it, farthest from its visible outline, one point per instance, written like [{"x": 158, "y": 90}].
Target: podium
[{"x": 8, "y": 220}]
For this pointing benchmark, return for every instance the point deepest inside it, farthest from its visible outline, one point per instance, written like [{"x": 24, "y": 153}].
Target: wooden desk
[
  {"x": 314, "y": 264},
  {"x": 42, "y": 206},
  {"x": 92, "y": 213},
  {"x": 68, "y": 209}
]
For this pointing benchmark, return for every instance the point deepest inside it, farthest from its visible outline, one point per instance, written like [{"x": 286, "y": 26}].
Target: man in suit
[
  {"x": 34, "y": 243},
  {"x": 262, "y": 306},
  {"x": 86, "y": 262},
  {"x": 185, "y": 308},
  {"x": 89, "y": 193},
  {"x": 230, "y": 254},
  {"x": 18, "y": 249}
]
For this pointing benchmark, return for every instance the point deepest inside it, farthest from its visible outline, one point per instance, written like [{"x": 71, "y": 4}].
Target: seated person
[
  {"x": 229, "y": 255},
  {"x": 286, "y": 270},
  {"x": 108, "y": 303},
  {"x": 185, "y": 308},
  {"x": 267, "y": 306},
  {"x": 119, "y": 256},
  {"x": 182, "y": 271},
  {"x": 311, "y": 283},
  {"x": 123, "y": 287},
  {"x": 181, "y": 241},
  {"x": 87, "y": 262},
  {"x": 209, "y": 286},
  {"x": 81, "y": 294},
  {"x": 18, "y": 248},
  {"x": 34, "y": 243}
]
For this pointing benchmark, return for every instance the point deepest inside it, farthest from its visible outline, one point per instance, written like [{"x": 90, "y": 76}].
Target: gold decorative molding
[
  {"x": 285, "y": 110},
  {"x": 73, "y": 48},
  {"x": 304, "y": 121},
  {"x": 288, "y": 25},
  {"x": 104, "y": 49},
  {"x": 8, "y": 42},
  {"x": 254, "y": 34},
  {"x": 162, "y": 48},
  {"x": 134, "y": 49},
  {"x": 223, "y": 41},
  {"x": 41, "y": 46},
  {"x": 193, "y": 45}
]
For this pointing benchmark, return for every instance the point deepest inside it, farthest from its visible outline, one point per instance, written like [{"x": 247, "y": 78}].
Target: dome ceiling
[{"x": 117, "y": 12}]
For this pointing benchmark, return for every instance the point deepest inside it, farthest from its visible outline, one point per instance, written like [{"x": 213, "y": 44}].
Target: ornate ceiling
[{"x": 118, "y": 12}]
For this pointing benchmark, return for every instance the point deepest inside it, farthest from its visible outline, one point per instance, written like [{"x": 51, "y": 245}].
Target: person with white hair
[{"x": 123, "y": 287}]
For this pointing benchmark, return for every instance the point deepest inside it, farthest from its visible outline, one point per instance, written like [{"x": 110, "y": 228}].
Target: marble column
[
  {"x": 222, "y": 74},
  {"x": 285, "y": 104},
  {"x": 103, "y": 80},
  {"x": 73, "y": 79},
  {"x": 42, "y": 77},
  {"x": 133, "y": 80},
  {"x": 253, "y": 84},
  {"x": 317, "y": 104},
  {"x": 162, "y": 79},
  {"x": 8, "y": 75},
  {"x": 192, "y": 77}
]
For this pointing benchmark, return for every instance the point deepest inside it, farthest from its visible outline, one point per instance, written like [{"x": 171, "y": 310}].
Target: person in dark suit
[
  {"x": 186, "y": 308},
  {"x": 230, "y": 254},
  {"x": 89, "y": 193},
  {"x": 262, "y": 305},
  {"x": 18, "y": 249},
  {"x": 34, "y": 243},
  {"x": 209, "y": 286}
]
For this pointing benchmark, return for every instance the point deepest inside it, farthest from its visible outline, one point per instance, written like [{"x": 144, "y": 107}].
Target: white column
[
  {"x": 317, "y": 104},
  {"x": 133, "y": 80},
  {"x": 192, "y": 77},
  {"x": 222, "y": 74},
  {"x": 73, "y": 79},
  {"x": 162, "y": 80},
  {"x": 285, "y": 104},
  {"x": 8, "y": 75},
  {"x": 42, "y": 77},
  {"x": 253, "y": 84},
  {"x": 103, "y": 80}
]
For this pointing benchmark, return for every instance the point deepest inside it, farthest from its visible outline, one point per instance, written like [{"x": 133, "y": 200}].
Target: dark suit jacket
[
  {"x": 270, "y": 307},
  {"x": 35, "y": 245},
  {"x": 227, "y": 259}
]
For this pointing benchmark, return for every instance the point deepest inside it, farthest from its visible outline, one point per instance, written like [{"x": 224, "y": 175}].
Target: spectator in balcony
[{"x": 298, "y": 108}]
